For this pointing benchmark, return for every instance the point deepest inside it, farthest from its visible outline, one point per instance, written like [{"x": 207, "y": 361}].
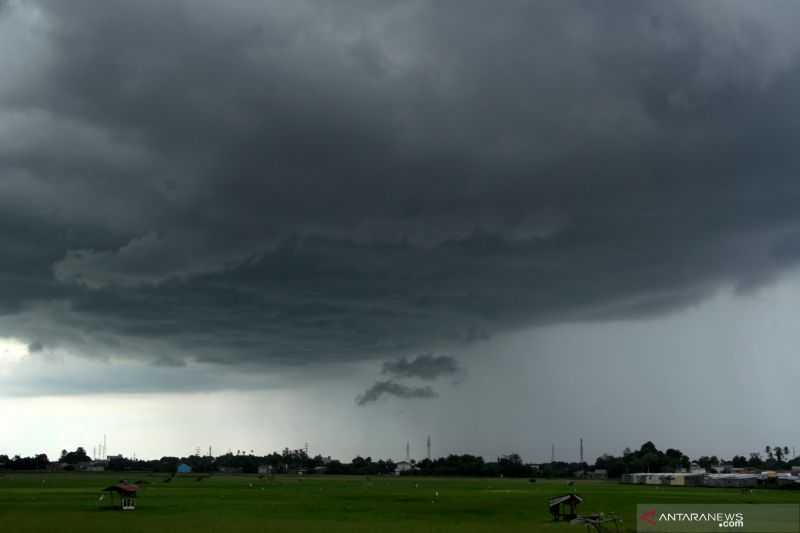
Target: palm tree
[{"x": 778, "y": 453}]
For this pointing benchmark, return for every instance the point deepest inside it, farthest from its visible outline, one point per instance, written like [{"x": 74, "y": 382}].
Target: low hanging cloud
[
  {"x": 427, "y": 366},
  {"x": 35, "y": 347},
  {"x": 392, "y": 388}
]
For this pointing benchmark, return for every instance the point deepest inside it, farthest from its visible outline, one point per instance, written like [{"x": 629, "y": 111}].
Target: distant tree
[
  {"x": 72, "y": 458},
  {"x": 648, "y": 447},
  {"x": 614, "y": 466},
  {"x": 739, "y": 461},
  {"x": 707, "y": 462},
  {"x": 755, "y": 460},
  {"x": 511, "y": 466},
  {"x": 778, "y": 451},
  {"x": 676, "y": 459},
  {"x": 168, "y": 464}
]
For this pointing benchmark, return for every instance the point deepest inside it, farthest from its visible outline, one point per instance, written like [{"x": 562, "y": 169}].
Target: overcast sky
[{"x": 256, "y": 224}]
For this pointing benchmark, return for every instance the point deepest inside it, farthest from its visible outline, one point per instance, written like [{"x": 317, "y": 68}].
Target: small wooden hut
[
  {"x": 126, "y": 492},
  {"x": 565, "y": 507}
]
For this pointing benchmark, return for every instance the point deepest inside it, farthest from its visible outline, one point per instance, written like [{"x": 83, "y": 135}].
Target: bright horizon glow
[{"x": 12, "y": 351}]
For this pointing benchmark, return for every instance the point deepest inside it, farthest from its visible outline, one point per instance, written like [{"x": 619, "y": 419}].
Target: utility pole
[
  {"x": 553, "y": 453},
  {"x": 429, "y": 447},
  {"x": 408, "y": 451},
  {"x": 581, "y": 449}
]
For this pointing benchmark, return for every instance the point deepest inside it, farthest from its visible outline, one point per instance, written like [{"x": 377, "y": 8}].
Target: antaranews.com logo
[
  {"x": 699, "y": 517},
  {"x": 723, "y": 520}
]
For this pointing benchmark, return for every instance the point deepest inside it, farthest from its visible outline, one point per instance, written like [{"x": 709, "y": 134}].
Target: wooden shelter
[
  {"x": 127, "y": 494},
  {"x": 565, "y": 507}
]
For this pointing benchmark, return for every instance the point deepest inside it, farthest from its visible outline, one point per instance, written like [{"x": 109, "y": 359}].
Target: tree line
[
  {"x": 648, "y": 458},
  {"x": 286, "y": 461}
]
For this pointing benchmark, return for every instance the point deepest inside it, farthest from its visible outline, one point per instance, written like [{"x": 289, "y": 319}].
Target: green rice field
[{"x": 69, "y": 502}]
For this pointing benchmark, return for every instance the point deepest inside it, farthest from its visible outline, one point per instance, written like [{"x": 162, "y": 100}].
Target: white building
[
  {"x": 404, "y": 467},
  {"x": 678, "y": 479},
  {"x": 92, "y": 466},
  {"x": 732, "y": 480}
]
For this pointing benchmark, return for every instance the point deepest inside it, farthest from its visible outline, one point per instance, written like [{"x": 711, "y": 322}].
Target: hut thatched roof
[{"x": 125, "y": 489}]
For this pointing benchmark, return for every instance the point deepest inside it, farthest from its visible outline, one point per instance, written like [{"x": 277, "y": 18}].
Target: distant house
[
  {"x": 679, "y": 479},
  {"x": 597, "y": 473},
  {"x": 183, "y": 468},
  {"x": 732, "y": 480},
  {"x": 788, "y": 480},
  {"x": 264, "y": 469},
  {"x": 683, "y": 479},
  {"x": 404, "y": 467},
  {"x": 91, "y": 466},
  {"x": 695, "y": 468},
  {"x": 230, "y": 469}
]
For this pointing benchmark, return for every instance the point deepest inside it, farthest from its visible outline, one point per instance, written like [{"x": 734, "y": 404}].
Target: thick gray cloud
[
  {"x": 426, "y": 366},
  {"x": 273, "y": 183},
  {"x": 392, "y": 388}
]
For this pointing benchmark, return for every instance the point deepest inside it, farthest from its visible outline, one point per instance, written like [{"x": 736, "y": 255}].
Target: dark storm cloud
[
  {"x": 283, "y": 183},
  {"x": 426, "y": 366},
  {"x": 392, "y": 388}
]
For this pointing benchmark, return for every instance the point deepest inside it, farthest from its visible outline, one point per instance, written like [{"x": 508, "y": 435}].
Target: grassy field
[{"x": 69, "y": 503}]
